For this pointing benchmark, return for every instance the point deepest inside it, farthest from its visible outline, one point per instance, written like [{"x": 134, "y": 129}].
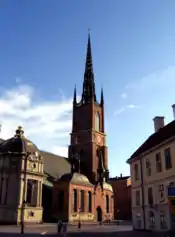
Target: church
[{"x": 37, "y": 186}]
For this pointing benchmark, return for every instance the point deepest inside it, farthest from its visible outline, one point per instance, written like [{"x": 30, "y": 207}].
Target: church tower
[{"x": 88, "y": 138}]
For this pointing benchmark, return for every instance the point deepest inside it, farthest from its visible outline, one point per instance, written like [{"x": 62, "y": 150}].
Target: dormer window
[{"x": 148, "y": 168}]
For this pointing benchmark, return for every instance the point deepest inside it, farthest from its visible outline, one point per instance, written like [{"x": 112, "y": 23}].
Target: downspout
[{"x": 143, "y": 196}]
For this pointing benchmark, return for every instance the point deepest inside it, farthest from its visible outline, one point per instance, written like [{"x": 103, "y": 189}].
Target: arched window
[
  {"x": 74, "y": 200},
  {"x": 97, "y": 121},
  {"x": 107, "y": 204},
  {"x": 89, "y": 201},
  {"x": 61, "y": 201}
]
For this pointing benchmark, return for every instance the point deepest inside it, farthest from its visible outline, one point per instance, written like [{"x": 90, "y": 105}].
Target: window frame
[
  {"x": 168, "y": 158},
  {"x": 158, "y": 162}
]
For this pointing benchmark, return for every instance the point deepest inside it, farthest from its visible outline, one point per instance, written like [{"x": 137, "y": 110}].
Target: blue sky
[{"x": 42, "y": 55}]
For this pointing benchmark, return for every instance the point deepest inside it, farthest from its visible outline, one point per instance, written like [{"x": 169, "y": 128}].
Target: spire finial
[
  {"x": 89, "y": 31},
  {"x": 19, "y": 132}
]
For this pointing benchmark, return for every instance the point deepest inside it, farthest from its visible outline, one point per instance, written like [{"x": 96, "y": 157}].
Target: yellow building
[
  {"x": 153, "y": 179},
  {"x": 20, "y": 163}
]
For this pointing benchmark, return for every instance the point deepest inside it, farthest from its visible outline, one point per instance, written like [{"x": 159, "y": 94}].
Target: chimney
[
  {"x": 173, "y": 106},
  {"x": 120, "y": 175},
  {"x": 158, "y": 123}
]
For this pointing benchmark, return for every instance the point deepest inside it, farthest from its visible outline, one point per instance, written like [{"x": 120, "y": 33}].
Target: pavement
[{"x": 110, "y": 230}]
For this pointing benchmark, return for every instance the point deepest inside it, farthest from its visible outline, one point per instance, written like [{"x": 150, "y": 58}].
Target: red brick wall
[{"x": 122, "y": 199}]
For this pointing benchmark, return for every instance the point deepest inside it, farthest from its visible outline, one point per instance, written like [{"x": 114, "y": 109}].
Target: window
[
  {"x": 89, "y": 201},
  {"x": 137, "y": 198},
  {"x": 136, "y": 171},
  {"x": 150, "y": 196},
  {"x": 29, "y": 192},
  {"x": 82, "y": 200},
  {"x": 163, "y": 223},
  {"x": 107, "y": 204},
  {"x": 32, "y": 191},
  {"x": 168, "y": 162},
  {"x": 161, "y": 190},
  {"x": 60, "y": 201},
  {"x": 97, "y": 121},
  {"x": 158, "y": 163},
  {"x": 74, "y": 200},
  {"x": 148, "y": 168},
  {"x": 151, "y": 219}
]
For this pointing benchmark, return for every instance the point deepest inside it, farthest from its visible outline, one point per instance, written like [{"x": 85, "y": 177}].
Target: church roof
[
  {"x": 18, "y": 144},
  {"x": 107, "y": 186},
  {"x": 76, "y": 178},
  {"x": 54, "y": 165}
]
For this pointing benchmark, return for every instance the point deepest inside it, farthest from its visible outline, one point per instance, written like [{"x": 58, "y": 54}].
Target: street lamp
[
  {"x": 79, "y": 223},
  {"x": 24, "y": 192}
]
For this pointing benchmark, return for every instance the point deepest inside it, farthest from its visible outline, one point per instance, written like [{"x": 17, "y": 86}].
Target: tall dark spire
[
  {"x": 75, "y": 96},
  {"x": 102, "y": 97},
  {"x": 89, "y": 66},
  {"x": 88, "y": 84}
]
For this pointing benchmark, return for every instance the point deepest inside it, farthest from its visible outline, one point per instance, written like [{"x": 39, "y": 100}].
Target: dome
[
  {"x": 107, "y": 186},
  {"x": 75, "y": 178},
  {"x": 18, "y": 144}
]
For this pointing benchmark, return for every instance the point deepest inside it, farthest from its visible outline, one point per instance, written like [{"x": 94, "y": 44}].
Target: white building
[{"x": 152, "y": 171}]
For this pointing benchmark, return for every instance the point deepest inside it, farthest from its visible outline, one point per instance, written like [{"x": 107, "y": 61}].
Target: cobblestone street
[{"x": 85, "y": 231}]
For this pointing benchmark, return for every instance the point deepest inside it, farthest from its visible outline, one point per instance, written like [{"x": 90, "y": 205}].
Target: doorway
[{"x": 99, "y": 213}]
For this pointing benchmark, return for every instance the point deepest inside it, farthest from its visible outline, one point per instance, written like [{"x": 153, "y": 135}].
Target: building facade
[
  {"x": 21, "y": 180},
  {"x": 152, "y": 174},
  {"x": 122, "y": 197},
  {"x": 86, "y": 187},
  {"x": 38, "y": 186}
]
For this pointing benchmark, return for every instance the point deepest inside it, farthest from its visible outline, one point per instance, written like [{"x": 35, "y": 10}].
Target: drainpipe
[{"x": 143, "y": 196}]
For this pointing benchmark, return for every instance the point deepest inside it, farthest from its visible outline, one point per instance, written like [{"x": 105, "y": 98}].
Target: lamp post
[
  {"x": 24, "y": 192},
  {"x": 79, "y": 223}
]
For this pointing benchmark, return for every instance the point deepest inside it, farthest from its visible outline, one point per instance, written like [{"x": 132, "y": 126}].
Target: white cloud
[
  {"x": 119, "y": 111},
  {"x": 132, "y": 106},
  {"x": 124, "y": 95},
  {"x": 18, "y": 80},
  {"x": 46, "y": 123},
  {"x": 63, "y": 150},
  {"x": 152, "y": 81},
  {"x": 124, "y": 108}
]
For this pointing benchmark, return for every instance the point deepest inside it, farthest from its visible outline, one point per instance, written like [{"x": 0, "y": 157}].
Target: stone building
[
  {"x": 153, "y": 179},
  {"x": 20, "y": 162},
  {"x": 55, "y": 187}
]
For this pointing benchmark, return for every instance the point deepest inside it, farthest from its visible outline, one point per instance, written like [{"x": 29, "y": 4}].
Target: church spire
[
  {"x": 102, "y": 97},
  {"x": 89, "y": 66},
  {"x": 88, "y": 84},
  {"x": 75, "y": 96}
]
